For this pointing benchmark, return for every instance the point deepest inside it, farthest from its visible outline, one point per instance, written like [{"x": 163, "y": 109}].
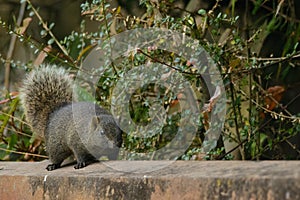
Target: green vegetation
[{"x": 253, "y": 43}]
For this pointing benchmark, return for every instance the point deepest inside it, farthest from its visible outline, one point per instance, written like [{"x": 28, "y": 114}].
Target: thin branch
[
  {"x": 248, "y": 53},
  {"x": 280, "y": 14},
  {"x": 166, "y": 64},
  {"x": 12, "y": 46},
  {"x": 44, "y": 24},
  {"x": 23, "y": 153},
  {"x": 277, "y": 59},
  {"x": 272, "y": 113}
]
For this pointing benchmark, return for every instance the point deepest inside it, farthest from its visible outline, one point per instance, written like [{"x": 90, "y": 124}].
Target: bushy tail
[{"x": 44, "y": 90}]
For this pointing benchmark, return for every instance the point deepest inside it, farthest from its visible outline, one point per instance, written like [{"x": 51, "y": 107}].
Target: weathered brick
[{"x": 267, "y": 180}]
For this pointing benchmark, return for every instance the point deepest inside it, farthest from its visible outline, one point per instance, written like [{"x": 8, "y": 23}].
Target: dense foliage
[{"x": 253, "y": 43}]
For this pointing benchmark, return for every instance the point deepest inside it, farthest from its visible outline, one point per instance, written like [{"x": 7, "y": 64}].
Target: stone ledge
[{"x": 178, "y": 180}]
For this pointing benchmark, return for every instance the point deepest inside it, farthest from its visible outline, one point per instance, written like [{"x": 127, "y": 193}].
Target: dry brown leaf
[
  {"x": 42, "y": 55},
  {"x": 274, "y": 95},
  {"x": 207, "y": 108},
  {"x": 21, "y": 30}
]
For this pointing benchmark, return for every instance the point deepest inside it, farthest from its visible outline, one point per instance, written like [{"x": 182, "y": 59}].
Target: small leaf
[
  {"x": 51, "y": 25},
  {"x": 43, "y": 33},
  {"x": 51, "y": 41},
  {"x": 31, "y": 14},
  {"x": 202, "y": 12}
]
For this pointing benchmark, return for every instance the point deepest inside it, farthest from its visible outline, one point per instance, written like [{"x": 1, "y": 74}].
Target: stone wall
[{"x": 266, "y": 180}]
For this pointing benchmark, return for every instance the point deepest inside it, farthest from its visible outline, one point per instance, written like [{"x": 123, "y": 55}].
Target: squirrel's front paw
[
  {"x": 52, "y": 167},
  {"x": 80, "y": 165}
]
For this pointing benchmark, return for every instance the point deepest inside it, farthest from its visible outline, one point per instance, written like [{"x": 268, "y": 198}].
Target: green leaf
[
  {"x": 51, "y": 25},
  {"x": 51, "y": 41},
  {"x": 202, "y": 12}
]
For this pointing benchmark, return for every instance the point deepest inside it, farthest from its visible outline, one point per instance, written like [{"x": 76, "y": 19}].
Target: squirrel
[{"x": 82, "y": 129}]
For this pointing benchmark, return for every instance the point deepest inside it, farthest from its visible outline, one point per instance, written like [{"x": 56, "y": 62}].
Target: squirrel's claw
[
  {"x": 80, "y": 165},
  {"x": 52, "y": 167}
]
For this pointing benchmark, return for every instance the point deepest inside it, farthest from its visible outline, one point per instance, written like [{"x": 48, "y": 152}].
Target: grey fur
[{"x": 82, "y": 129}]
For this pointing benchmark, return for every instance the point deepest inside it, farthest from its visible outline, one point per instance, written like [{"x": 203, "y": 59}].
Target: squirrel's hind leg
[
  {"x": 83, "y": 159},
  {"x": 84, "y": 163},
  {"x": 80, "y": 165}
]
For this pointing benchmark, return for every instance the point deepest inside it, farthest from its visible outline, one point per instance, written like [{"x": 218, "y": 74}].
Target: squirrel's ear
[{"x": 94, "y": 123}]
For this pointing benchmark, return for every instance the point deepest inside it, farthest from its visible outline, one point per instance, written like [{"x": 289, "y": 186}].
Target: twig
[
  {"x": 109, "y": 37},
  {"x": 277, "y": 59},
  {"x": 44, "y": 24},
  {"x": 235, "y": 113},
  {"x": 24, "y": 153},
  {"x": 220, "y": 157},
  {"x": 166, "y": 64},
  {"x": 248, "y": 53},
  {"x": 272, "y": 113},
  {"x": 12, "y": 46},
  {"x": 281, "y": 14}
]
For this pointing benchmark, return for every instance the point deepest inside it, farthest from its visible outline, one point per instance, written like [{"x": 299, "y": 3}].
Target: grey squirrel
[{"x": 82, "y": 129}]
